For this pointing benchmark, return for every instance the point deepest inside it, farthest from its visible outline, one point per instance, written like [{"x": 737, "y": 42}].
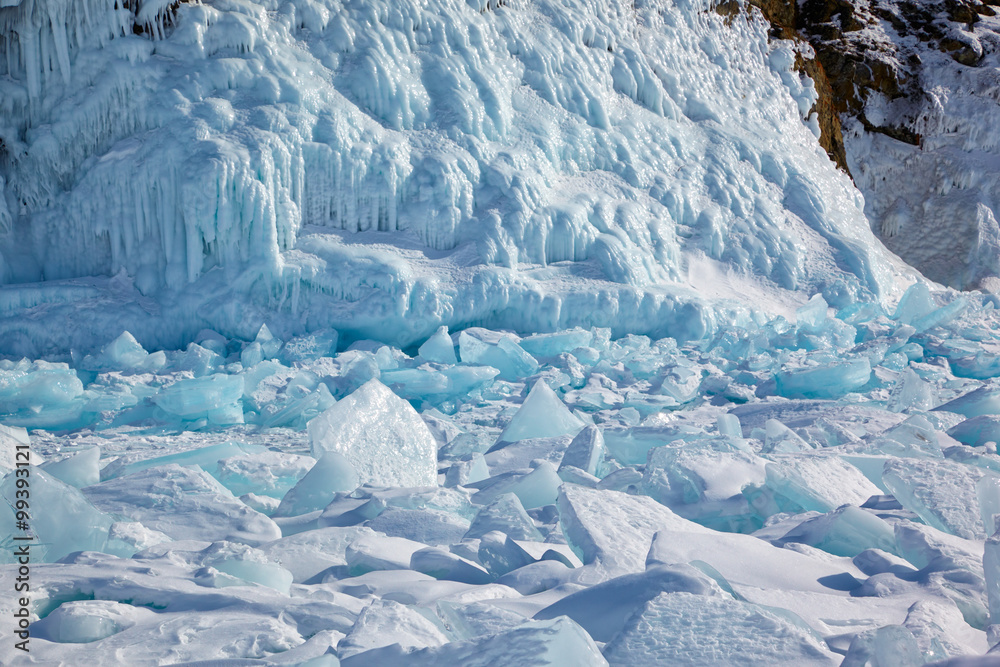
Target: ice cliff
[{"x": 383, "y": 168}]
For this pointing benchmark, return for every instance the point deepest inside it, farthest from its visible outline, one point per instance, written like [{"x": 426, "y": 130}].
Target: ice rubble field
[{"x": 790, "y": 493}]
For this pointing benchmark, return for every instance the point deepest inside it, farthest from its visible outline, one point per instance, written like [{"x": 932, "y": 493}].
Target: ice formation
[
  {"x": 570, "y": 508},
  {"x": 386, "y": 168},
  {"x": 469, "y": 332}
]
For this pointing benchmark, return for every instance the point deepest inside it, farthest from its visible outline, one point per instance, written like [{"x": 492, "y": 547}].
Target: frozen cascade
[{"x": 378, "y": 166}]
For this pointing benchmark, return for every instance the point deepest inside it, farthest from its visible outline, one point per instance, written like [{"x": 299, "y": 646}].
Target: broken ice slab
[
  {"x": 430, "y": 526},
  {"x": 604, "y": 609},
  {"x": 941, "y": 316},
  {"x": 982, "y": 401},
  {"x": 553, "y": 344},
  {"x": 630, "y": 446},
  {"x": 505, "y": 514},
  {"x": 500, "y": 554},
  {"x": 977, "y": 431},
  {"x": 11, "y": 437},
  {"x": 385, "y": 619},
  {"x": 914, "y": 304},
  {"x": 796, "y": 483},
  {"x": 779, "y": 439},
  {"x": 251, "y": 355},
  {"x": 541, "y": 415},
  {"x": 586, "y": 451},
  {"x": 942, "y": 493},
  {"x": 704, "y": 485},
  {"x": 198, "y": 360},
  {"x": 439, "y": 348},
  {"x": 207, "y": 458},
  {"x": 41, "y": 395},
  {"x": 611, "y": 531},
  {"x": 812, "y": 315},
  {"x": 331, "y": 474},
  {"x": 312, "y": 552},
  {"x": 379, "y": 552},
  {"x": 214, "y": 397},
  {"x": 124, "y": 354},
  {"x": 536, "y": 577},
  {"x": 847, "y": 531},
  {"x": 828, "y": 380},
  {"x": 911, "y": 392},
  {"x": 415, "y": 383},
  {"x": 269, "y": 344},
  {"x": 469, "y": 470},
  {"x": 64, "y": 521},
  {"x": 381, "y": 435},
  {"x": 78, "y": 469},
  {"x": 297, "y": 412},
  {"x": 443, "y": 564},
  {"x": 184, "y": 503},
  {"x": 313, "y": 346},
  {"x": 504, "y": 354},
  {"x": 507, "y": 456}
]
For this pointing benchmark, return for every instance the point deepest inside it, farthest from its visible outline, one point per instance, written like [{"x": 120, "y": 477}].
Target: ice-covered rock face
[
  {"x": 381, "y": 166},
  {"x": 907, "y": 105}
]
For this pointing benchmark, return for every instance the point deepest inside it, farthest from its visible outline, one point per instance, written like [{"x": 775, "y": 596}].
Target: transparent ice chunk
[
  {"x": 505, "y": 514},
  {"x": 586, "y": 451},
  {"x": 331, "y": 474},
  {"x": 847, "y": 531},
  {"x": 982, "y": 401},
  {"x": 439, "y": 348},
  {"x": 830, "y": 380},
  {"x": 505, "y": 355},
  {"x": 79, "y": 469},
  {"x": 977, "y": 431},
  {"x": 215, "y": 398},
  {"x": 542, "y": 415},
  {"x": 63, "y": 520}
]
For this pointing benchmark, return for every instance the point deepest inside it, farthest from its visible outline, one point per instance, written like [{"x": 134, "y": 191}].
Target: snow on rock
[{"x": 380, "y": 435}]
